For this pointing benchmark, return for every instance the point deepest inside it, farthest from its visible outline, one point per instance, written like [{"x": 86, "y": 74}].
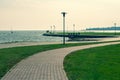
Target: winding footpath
[{"x": 46, "y": 65}]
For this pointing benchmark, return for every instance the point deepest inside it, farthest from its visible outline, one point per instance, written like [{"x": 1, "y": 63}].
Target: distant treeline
[{"x": 107, "y": 28}]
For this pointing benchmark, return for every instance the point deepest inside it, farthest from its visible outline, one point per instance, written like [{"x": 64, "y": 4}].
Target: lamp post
[
  {"x": 54, "y": 28},
  {"x": 51, "y": 28},
  {"x": 73, "y": 28},
  {"x": 115, "y": 27},
  {"x": 64, "y": 13}
]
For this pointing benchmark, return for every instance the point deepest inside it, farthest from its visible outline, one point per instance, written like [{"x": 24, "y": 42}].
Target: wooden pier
[{"x": 73, "y": 36}]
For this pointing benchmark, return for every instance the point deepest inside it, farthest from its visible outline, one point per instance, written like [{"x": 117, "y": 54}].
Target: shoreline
[{"x": 19, "y": 44}]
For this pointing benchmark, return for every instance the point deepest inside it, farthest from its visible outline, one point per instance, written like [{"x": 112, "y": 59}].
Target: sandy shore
[
  {"x": 17, "y": 44},
  {"x": 110, "y": 39}
]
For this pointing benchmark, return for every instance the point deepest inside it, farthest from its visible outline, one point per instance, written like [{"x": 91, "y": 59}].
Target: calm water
[{"x": 25, "y": 36}]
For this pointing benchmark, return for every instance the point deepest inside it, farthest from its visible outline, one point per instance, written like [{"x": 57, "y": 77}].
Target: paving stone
[{"x": 46, "y": 65}]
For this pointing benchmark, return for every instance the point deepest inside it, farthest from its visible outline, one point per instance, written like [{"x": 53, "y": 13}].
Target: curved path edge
[{"x": 46, "y": 65}]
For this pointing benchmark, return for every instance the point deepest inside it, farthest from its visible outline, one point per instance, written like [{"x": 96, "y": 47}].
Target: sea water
[{"x": 26, "y": 36}]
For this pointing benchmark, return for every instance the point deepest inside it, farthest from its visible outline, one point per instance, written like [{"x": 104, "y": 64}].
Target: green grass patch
[
  {"x": 101, "y": 63},
  {"x": 100, "y": 33},
  {"x": 94, "y": 33},
  {"x": 10, "y": 56}
]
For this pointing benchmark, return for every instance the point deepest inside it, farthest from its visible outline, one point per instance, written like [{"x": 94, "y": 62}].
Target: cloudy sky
[{"x": 41, "y": 14}]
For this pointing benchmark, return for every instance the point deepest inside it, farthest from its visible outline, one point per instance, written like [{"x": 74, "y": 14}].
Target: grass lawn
[
  {"x": 100, "y": 33},
  {"x": 10, "y": 56},
  {"x": 94, "y": 33},
  {"x": 101, "y": 63}
]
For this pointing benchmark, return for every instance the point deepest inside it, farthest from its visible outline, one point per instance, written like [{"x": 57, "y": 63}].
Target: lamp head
[{"x": 63, "y": 13}]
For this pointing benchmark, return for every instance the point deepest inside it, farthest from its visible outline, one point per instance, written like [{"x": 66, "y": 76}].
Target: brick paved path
[{"x": 46, "y": 65}]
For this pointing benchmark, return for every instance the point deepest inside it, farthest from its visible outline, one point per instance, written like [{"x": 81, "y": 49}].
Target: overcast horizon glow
[{"x": 42, "y": 14}]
